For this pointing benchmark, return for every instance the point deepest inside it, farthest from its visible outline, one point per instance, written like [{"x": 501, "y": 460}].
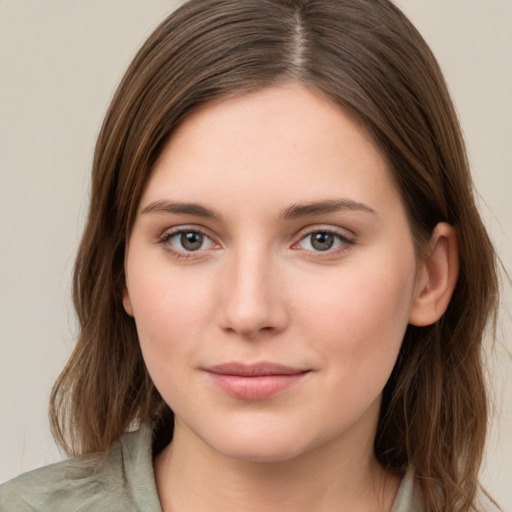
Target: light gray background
[{"x": 60, "y": 61}]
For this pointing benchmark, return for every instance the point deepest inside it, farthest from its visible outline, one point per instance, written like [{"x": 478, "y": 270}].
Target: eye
[
  {"x": 187, "y": 241},
  {"x": 323, "y": 241}
]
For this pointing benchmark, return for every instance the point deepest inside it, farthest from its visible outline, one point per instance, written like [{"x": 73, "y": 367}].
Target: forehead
[{"x": 284, "y": 144}]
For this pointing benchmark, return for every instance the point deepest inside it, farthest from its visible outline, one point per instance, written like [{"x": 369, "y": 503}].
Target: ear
[
  {"x": 437, "y": 277},
  {"x": 126, "y": 301}
]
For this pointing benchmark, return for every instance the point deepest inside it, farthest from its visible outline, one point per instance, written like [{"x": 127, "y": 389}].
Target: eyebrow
[
  {"x": 181, "y": 208},
  {"x": 322, "y": 207},
  {"x": 294, "y": 211}
]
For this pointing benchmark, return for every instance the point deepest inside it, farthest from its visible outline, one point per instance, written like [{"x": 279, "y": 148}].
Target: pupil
[
  {"x": 322, "y": 241},
  {"x": 192, "y": 241}
]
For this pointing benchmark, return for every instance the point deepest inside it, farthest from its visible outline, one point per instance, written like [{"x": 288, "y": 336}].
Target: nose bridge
[{"x": 252, "y": 300}]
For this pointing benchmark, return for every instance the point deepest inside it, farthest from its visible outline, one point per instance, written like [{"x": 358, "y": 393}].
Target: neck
[{"x": 338, "y": 476}]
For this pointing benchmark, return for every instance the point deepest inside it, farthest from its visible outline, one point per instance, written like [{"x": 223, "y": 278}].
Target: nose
[{"x": 253, "y": 296}]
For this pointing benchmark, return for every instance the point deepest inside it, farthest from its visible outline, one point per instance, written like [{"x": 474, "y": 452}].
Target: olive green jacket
[{"x": 123, "y": 481}]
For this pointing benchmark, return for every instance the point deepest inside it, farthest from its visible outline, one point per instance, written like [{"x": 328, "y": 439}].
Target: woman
[{"x": 283, "y": 282}]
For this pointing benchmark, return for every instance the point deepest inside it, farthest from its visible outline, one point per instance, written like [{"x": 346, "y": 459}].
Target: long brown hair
[{"x": 368, "y": 58}]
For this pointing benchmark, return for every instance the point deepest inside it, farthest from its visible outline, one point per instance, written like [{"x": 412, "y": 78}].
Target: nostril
[
  {"x": 249, "y": 329},
  {"x": 250, "y": 302}
]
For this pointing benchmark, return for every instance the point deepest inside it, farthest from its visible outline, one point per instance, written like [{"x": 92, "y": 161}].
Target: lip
[{"x": 254, "y": 381}]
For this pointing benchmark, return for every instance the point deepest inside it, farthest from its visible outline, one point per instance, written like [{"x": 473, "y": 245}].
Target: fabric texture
[{"x": 123, "y": 481}]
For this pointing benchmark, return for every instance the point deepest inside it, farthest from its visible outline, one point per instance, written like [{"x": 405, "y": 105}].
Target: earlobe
[
  {"x": 437, "y": 277},
  {"x": 126, "y": 301}
]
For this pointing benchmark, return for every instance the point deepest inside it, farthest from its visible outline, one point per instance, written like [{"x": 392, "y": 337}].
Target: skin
[{"x": 258, "y": 290}]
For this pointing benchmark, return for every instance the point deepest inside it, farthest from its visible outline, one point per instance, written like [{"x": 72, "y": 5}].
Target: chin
[
  {"x": 263, "y": 444},
  {"x": 264, "y": 451}
]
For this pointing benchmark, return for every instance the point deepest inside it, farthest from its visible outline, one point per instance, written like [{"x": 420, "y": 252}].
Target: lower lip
[{"x": 255, "y": 387}]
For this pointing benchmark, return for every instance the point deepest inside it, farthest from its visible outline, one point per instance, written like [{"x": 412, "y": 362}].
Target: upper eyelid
[
  {"x": 342, "y": 232},
  {"x": 187, "y": 229}
]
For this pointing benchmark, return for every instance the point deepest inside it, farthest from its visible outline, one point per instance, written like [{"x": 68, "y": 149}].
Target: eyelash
[
  {"x": 345, "y": 241},
  {"x": 182, "y": 254}
]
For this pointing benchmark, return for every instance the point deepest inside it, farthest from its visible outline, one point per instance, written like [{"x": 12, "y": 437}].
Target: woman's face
[{"x": 271, "y": 273}]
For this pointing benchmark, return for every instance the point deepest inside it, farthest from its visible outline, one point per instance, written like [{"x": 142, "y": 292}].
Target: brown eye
[
  {"x": 186, "y": 241},
  {"x": 324, "y": 241},
  {"x": 191, "y": 240}
]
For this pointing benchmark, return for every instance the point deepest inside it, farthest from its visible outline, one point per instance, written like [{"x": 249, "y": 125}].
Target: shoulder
[
  {"x": 122, "y": 480},
  {"x": 57, "y": 487}
]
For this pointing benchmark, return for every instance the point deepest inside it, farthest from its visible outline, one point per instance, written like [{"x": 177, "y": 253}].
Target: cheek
[
  {"x": 171, "y": 309},
  {"x": 362, "y": 315}
]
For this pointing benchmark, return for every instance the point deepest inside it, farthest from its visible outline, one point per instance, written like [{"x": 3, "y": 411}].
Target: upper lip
[{"x": 254, "y": 370}]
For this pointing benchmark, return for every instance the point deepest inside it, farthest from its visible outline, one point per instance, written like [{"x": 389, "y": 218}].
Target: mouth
[{"x": 254, "y": 381}]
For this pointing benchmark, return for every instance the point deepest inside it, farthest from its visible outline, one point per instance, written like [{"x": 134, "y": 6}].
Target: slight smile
[{"x": 255, "y": 381}]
